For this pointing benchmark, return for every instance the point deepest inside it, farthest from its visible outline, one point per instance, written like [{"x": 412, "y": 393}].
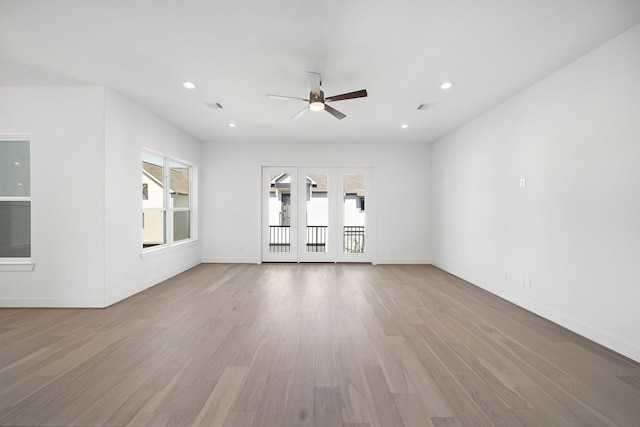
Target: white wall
[
  {"x": 130, "y": 128},
  {"x": 67, "y": 189},
  {"x": 231, "y": 195},
  {"x": 574, "y": 230},
  {"x": 86, "y": 145}
]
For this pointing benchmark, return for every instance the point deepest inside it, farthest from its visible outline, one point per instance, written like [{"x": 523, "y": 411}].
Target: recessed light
[
  {"x": 16, "y": 163},
  {"x": 446, "y": 85},
  {"x": 404, "y": 126},
  {"x": 188, "y": 85},
  {"x": 232, "y": 125}
]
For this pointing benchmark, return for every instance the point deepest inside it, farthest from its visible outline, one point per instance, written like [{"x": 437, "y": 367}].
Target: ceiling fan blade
[
  {"x": 357, "y": 94},
  {"x": 315, "y": 81},
  {"x": 286, "y": 98},
  {"x": 335, "y": 113},
  {"x": 300, "y": 113}
]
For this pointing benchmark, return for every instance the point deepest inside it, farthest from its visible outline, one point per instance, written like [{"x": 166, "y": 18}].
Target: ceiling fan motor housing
[{"x": 316, "y": 101}]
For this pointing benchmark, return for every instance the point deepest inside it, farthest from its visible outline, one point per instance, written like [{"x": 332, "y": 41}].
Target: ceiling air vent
[
  {"x": 425, "y": 107},
  {"x": 213, "y": 105}
]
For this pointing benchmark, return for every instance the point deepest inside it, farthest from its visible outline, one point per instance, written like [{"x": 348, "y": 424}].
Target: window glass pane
[
  {"x": 152, "y": 176},
  {"x": 181, "y": 225},
  {"x": 153, "y": 228},
  {"x": 354, "y": 213},
  {"x": 15, "y": 229},
  {"x": 14, "y": 169},
  {"x": 179, "y": 185}
]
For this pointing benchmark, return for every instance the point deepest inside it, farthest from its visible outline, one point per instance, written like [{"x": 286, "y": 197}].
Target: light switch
[{"x": 523, "y": 182}]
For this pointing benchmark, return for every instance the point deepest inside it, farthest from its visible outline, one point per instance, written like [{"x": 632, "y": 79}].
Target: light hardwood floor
[{"x": 308, "y": 344}]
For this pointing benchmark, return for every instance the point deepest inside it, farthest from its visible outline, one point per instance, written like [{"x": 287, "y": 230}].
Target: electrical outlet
[
  {"x": 505, "y": 275},
  {"x": 523, "y": 182},
  {"x": 67, "y": 282}
]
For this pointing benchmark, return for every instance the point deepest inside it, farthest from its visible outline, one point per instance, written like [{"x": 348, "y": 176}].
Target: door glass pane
[
  {"x": 317, "y": 196},
  {"x": 15, "y": 229},
  {"x": 14, "y": 169},
  {"x": 354, "y": 213},
  {"x": 279, "y": 212}
]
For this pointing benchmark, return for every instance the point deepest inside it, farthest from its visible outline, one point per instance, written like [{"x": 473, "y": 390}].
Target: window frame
[
  {"x": 167, "y": 208},
  {"x": 20, "y": 263}
]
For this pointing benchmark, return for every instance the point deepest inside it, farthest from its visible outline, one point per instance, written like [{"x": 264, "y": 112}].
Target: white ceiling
[{"x": 237, "y": 51}]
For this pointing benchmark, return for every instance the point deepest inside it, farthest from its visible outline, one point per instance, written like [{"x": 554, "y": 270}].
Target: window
[
  {"x": 166, "y": 200},
  {"x": 15, "y": 199}
]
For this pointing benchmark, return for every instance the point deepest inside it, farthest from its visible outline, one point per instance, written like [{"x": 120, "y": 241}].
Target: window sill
[
  {"x": 164, "y": 249},
  {"x": 17, "y": 265}
]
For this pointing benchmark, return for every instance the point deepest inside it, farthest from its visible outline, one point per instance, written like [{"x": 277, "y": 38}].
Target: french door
[{"x": 316, "y": 214}]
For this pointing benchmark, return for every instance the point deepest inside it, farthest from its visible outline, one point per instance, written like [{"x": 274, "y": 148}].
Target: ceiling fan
[{"x": 317, "y": 100}]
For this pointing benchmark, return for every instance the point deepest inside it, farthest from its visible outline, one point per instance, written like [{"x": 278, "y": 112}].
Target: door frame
[{"x": 336, "y": 215}]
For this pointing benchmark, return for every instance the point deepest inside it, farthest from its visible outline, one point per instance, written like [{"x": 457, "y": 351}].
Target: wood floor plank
[
  {"x": 215, "y": 410},
  {"x": 553, "y": 412},
  {"x": 355, "y": 406},
  {"x": 382, "y": 398},
  {"x": 240, "y": 419},
  {"x": 445, "y": 422},
  {"x": 466, "y": 410},
  {"x": 253, "y": 389},
  {"x": 308, "y": 344},
  {"x": 362, "y": 344},
  {"x": 301, "y": 393},
  {"x": 411, "y": 409},
  {"x": 325, "y": 372},
  {"x": 432, "y": 397},
  {"x": 392, "y": 367},
  {"x": 496, "y": 410},
  {"x": 110, "y": 412},
  {"x": 272, "y": 408},
  {"x": 632, "y": 380},
  {"x": 328, "y": 406}
]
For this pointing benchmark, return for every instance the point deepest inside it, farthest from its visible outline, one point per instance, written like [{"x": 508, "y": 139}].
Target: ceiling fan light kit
[{"x": 317, "y": 101}]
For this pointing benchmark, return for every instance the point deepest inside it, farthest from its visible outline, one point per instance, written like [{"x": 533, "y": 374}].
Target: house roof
[
  {"x": 353, "y": 183},
  {"x": 238, "y": 51},
  {"x": 179, "y": 177}
]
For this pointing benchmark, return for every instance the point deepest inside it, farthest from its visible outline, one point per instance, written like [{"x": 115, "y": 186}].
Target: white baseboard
[
  {"x": 137, "y": 288},
  {"x": 573, "y": 325},
  {"x": 94, "y": 302},
  {"x": 51, "y": 303},
  {"x": 219, "y": 260},
  {"x": 401, "y": 261}
]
